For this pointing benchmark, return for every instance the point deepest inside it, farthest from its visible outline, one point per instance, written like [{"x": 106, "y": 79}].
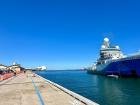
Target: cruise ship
[{"x": 112, "y": 62}]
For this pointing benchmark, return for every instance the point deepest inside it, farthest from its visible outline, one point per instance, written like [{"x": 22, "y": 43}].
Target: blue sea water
[{"x": 101, "y": 89}]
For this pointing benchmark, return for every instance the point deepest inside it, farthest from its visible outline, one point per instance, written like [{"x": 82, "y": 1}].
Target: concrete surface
[{"x": 27, "y": 90}]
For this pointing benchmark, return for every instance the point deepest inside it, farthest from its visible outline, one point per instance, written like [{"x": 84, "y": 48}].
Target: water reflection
[{"x": 104, "y": 90}]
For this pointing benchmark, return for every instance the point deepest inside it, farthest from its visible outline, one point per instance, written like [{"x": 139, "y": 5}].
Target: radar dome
[
  {"x": 103, "y": 46},
  {"x": 106, "y": 39},
  {"x": 117, "y": 47}
]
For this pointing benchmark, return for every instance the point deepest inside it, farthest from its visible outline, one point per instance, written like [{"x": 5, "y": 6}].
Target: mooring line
[{"x": 38, "y": 93}]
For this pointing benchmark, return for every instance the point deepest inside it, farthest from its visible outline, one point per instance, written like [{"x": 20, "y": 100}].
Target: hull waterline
[{"x": 125, "y": 68}]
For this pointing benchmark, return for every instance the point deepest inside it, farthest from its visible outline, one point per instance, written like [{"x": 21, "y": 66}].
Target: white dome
[
  {"x": 106, "y": 39},
  {"x": 117, "y": 47},
  {"x": 103, "y": 46}
]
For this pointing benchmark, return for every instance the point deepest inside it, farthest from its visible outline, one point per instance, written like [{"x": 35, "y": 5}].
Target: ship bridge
[{"x": 108, "y": 51}]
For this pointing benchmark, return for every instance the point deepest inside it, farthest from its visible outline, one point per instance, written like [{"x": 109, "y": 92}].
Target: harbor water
[{"x": 101, "y": 89}]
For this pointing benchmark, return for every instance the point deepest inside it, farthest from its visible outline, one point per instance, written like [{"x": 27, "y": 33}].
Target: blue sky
[{"x": 65, "y": 34}]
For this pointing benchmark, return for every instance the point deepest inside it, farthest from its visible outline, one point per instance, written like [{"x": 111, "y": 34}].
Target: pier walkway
[{"x": 25, "y": 89}]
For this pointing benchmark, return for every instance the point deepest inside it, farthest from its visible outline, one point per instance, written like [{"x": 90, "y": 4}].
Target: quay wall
[{"x": 75, "y": 95}]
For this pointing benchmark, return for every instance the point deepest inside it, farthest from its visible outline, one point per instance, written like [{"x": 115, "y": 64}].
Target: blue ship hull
[{"x": 123, "y": 68}]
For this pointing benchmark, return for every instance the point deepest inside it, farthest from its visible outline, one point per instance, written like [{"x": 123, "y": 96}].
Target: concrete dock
[{"x": 26, "y": 89}]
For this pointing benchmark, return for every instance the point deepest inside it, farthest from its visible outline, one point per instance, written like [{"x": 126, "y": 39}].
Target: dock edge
[{"x": 73, "y": 94}]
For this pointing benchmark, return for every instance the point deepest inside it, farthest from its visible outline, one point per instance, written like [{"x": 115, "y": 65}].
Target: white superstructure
[{"x": 108, "y": 53}]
